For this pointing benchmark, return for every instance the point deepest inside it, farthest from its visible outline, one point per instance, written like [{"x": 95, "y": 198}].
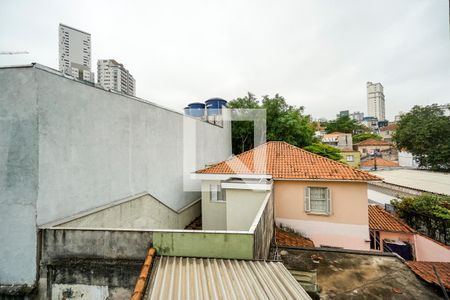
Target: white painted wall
[
  {"x": 379, "y": 197},
  {"x": 406, "y": 159},
  {"x": 214, "y": 214},
  {"x": 242, "y": 207}
]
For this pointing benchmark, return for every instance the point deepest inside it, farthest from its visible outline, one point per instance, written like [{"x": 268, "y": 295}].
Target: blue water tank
[
  {"x": 195, "y": 109},
  {"x": 214, "y": 106}
]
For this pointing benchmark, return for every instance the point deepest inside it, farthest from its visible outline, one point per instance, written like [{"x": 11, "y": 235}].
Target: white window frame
[
  {"x": 216, "y": 193},
  {"x": 307, "y": 201},
  {"x": 350, "y": 156}
]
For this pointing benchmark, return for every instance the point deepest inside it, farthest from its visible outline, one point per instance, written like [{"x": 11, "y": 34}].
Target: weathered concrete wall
[
  {"x": 18, "y": 176},
  {"x": 82, "y": 147},
  {"x": 91, "y": 244},
  {"x": 214, "y": 214},
  {"x": 101, "y": 259},
  {"x": 242, "y": 207},
  {"x": 143, "y": 212},
  {"x": 263, "y": 233}
]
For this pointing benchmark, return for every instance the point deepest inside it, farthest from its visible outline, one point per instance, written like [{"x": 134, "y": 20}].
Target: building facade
[
  {"x": 75, "y": 53},
  {"x": 113, "y": 76},
  {"x": 326, "y": 201},
  {"x": 375, "y": 101},
  {"x": 90, "y": 148}
]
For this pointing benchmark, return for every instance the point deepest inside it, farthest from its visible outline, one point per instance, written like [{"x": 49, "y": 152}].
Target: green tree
[
  {"x": 365, "y": 136},
  {"x": 325, "y": 150},
  {"x": 243, "y": 131},
  {"x": 427, "y": 211},
  {"x": 344, "y": 124},
  {"x": 425, "y": 132},
  {"x": 284, "y": 122}
]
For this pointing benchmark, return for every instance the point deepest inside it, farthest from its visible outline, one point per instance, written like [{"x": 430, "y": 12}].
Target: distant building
[
  {"x": 75, "y": 53},
  {"x": 375, "y": 101},
  {"x": 387, "y": 131},
  {"x": 343, "y": 113},
  {"x": 357, "y": 116},
  {"x": 113, "y": 76},
  {"x": 372, "y": 147},
  {"x": 338, "y": 140},
  {"x": 351, "y": 157},
  {"x": 370, "y": 122}
]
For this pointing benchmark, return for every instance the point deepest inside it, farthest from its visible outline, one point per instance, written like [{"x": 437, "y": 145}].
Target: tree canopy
[
  {"x": 344, "y": 124},
  {"x": 325, "y": 150},
  {"x": 365, "y": 136},
  {"x": 284, "y": 122},
  {"x": 425, "y": 132},
  {"x": 428, "y": 211}
]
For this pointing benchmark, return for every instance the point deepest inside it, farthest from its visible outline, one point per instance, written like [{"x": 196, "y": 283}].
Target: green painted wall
[{"x": 200, "y": 244}]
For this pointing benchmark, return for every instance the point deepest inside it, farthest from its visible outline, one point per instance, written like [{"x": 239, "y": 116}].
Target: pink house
[
  {"x": 322, "y": 199},
  {"x": 390, "y": 234}
]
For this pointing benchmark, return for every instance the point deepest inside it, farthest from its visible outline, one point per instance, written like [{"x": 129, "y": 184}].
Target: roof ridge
[{"x": 285, "y": 160}]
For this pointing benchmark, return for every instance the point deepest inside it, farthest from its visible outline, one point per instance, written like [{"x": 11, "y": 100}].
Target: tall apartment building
[
  {"x": 75, "y": 53},
  {"x": 112, "y": 75},
  {"x": 375, "y": 101}
]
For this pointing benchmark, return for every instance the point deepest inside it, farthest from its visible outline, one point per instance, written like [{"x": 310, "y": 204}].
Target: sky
[{"x": 318, "y": 54}]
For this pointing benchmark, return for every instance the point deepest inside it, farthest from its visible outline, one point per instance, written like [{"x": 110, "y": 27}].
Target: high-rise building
[
  {"x": 375, "y": 101},
  {"x": 75, "y": 53},
  {"x": 113, "y": 76}
]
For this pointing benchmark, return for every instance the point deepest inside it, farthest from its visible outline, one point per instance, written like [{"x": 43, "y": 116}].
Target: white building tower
[
  {"x": 112, "y": 75},
  {"x": 75, "y": 53},
  {"x": 375, "y": 101}
]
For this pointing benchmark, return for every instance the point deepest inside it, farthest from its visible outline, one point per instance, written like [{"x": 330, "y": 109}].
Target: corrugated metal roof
[{"x": 200, "y": 278}]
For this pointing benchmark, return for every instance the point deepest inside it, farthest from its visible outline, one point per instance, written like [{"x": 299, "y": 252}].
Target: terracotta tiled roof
[
  {"x": 379, "y": 219},
  {"x": 390, "y": 127},
  {"x": 380, "y": 162},
  {"x": 139, "y": 289},
  {"x": 289, "y": 162},
  {"x": 424, "y": 269},
  {"x": 373, "y": 142},
  {"x": 284, "y": 238}
]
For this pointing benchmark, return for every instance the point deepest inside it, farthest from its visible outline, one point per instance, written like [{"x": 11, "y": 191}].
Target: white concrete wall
[
  {"x": 82, "y": 147},
  {"x": 406, "y": 159},
  {"x": 242, "y": 207},
  {"x": 144, "y": 212},
  {"x": 18, "y": 176},
  {"x": 379, "y": 197},
  {"x": 214, "y": 214}
]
